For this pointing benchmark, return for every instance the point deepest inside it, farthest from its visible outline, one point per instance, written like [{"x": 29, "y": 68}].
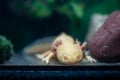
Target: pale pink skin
[
  {"x": 46, "y": 56},
  {"x": 59, "y": 42}
]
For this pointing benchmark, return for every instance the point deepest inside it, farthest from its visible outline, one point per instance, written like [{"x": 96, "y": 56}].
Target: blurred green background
[{"x": 23, "y": 21}]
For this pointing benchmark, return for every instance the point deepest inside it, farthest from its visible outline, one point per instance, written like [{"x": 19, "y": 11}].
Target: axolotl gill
[{"x": 66, "y": 50}]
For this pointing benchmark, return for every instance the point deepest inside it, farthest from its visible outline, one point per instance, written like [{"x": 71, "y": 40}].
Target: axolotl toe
[{"x": 66, "y": 50}]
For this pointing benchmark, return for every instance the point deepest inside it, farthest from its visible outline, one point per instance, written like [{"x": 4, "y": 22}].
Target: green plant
[{"x": 6, "y": 49}]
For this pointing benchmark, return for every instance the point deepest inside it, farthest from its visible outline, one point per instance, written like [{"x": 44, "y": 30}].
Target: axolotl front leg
[
  {"x": 89, "y": 58},
  {"x": 46, "y": 56}
]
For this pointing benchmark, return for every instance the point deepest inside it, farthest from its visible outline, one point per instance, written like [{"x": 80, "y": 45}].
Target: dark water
[{"x": 22, "y": 30}]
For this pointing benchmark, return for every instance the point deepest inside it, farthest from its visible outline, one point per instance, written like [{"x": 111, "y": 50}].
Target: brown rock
[{"x": 105, "y": 44}]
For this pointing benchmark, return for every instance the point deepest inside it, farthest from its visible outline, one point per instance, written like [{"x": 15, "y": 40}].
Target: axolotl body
[{"x": 66, "y": 50}]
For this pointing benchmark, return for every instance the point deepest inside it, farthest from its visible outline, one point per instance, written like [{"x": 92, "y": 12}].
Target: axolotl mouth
[
  {"x": 70, "y": 60},
  {"x": 70, "y": 63}
]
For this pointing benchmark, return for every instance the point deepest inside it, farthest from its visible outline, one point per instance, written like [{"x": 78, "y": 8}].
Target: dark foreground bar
[
  {"x": 61, "y": 68},
  {"x": 100, "y": 75},
  {"x": 70, "y": 72}
]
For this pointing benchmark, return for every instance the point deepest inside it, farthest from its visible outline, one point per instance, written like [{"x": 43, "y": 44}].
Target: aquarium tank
[{"x": 59, "y": 32}]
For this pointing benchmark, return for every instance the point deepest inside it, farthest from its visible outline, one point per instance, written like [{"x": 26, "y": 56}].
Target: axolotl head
[{"x": 69, "y": 53}]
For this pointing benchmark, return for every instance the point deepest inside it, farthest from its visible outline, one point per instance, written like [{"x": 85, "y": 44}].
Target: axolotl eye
[
  {"x": 65, "y": 57},
  {"x": 78, "y": 56}
]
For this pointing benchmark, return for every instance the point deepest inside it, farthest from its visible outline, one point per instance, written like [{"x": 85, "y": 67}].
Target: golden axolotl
[{"x": 66, "y": 50}]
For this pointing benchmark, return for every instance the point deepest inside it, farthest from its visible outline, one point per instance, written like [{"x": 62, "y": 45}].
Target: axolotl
[{"x": 66, "y": 50}]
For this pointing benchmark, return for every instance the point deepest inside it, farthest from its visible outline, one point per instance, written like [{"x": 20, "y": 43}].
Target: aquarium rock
[{"x": 105, "y": 44}]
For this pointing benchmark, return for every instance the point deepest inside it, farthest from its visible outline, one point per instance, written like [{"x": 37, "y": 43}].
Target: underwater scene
[{"x": 60, "y": 32}]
